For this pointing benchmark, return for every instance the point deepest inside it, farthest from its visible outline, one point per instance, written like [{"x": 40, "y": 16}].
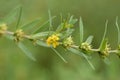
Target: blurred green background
[{"x": 14, "y": 65}]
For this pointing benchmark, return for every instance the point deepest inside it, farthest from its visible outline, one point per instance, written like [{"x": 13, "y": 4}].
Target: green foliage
[
  {"x": 89, "y": 40},
  {"x": 72, "y": 20},
  {"x": 26, "y": 51},
  {"x": 81, "y": 30},
  {"x": 75, "y": 51},
  {"x": 41, "y": 43},
  {"x": 50, "y": 21},
  {"x": 59, "y": 54},
  {"x": 19, "y": 17},
  {"x": 30, "y": 25},
  {"x": 12, "y": 16},
  {"x": 41, "y": 26},
  {"x": 118, "y": 29},
  {"x": 67, "y": 33},
  {"x": 103, "y": 43}
]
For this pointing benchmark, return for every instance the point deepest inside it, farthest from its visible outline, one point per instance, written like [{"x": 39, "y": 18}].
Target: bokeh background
[{"x": 14, "y": 65}]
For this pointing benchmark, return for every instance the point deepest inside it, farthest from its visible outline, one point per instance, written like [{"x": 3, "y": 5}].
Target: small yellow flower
[
  {"x": 19, "y": 34},
  {"x": 68, "y": 42},
  {"x": 85, "y": 46},
  {"x": 53, "y": 40},
  {"x": 3, "y": 28},
  {"x": 105, "y": 52}
]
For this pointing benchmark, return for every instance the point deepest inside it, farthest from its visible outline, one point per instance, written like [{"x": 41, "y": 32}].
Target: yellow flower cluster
[
  {"x": 3, "y": 28},
  {"x": 68, "y": 42},
  {"x": 105, "y": 52},
  {"x": 19, "y": 35},
  {"x": 53, "y": 40},
  {"x": 85, "y": 46}
]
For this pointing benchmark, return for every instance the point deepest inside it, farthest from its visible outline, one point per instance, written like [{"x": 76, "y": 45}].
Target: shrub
[{"x": 60, "y": 37}]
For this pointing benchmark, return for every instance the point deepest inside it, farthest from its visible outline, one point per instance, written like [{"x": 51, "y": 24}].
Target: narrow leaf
[
  {"x": 103, "y": 39},
  {"x": 89, "y": 62},
  {"x": 41, "y": 43},
  {"x": 41, "y": 34},
  {"x": 72, "y": 21},
  {"x": 106, "y": 60},
  {"x": 26, "y": 51},
  {"x": 67, "y": 33},
  {"x": 81, "y": 30},
  {"x": 89, "y": 39},
  {"x": 60, "y": 27},
  {"x": 71, "y": 18},
  {"x": 9, "y": 37},
  {"x": 50, "y": 20},
  {"x": 59, "y": 54},
  {"x": 19, "y": 17},
  {"x": 11, "y": 17},
  {"x": 37, "y": 29},
  {"x": 118, "y": 30},
  {"x": 104, "y": 43},
  {"x": 30, "y": 25},
  {"x": 75, "y": 51},
  {"x": 83, "y": 55}
]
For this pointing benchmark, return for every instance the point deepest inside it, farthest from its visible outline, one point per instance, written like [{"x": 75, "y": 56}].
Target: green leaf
[
  {"x": 118, "y": 30},
  {"x": 26, "y": 51},
  {"x": 72, "y": 21},
  {"x": 71, "y": 18},
  {"x": 41, "y": 34},
  {"x": 11, "y": 17},
  {"x": 40, "y": 27},
  {"x": 60, "y": 27},
  {"x": 103, "y": 45},
  {"x": 67, "y": 33},
  {"x": 75, "y": 51},
  {"x": 41, "y": 43},
  {"x": 59, "y": 54},
  {"x": 81, "y": 30},
  {"x": 89, "y": 62},
  {"x": 106, "y": 60},
  {"x": 103, "y": 42},
  {"x": 89, "y": 39},
  {"x": 19, "y": 17},
  {"x": 9, "y": 37},
  {"x": 50, "y": 21},
  {"x": 30, "y": 25}
]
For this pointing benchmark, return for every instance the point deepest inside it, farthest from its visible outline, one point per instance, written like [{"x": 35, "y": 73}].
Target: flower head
[
  {"x": 85, "y": 46},
  {"x": 53, "y": 40},
  {"x": 105, "y": 52},
  {"x": 68, "y": 42},
  {"x": 19, "y": 35},
  {"x": 3, "y": 28}
]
